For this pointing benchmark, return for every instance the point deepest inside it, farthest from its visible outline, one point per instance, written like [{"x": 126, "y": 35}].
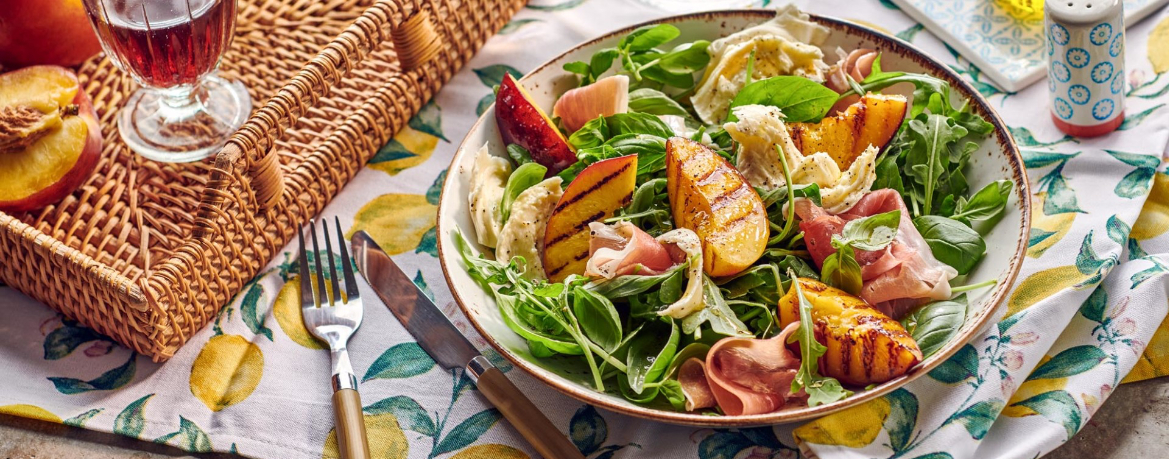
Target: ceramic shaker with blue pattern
[{"x": 1085, "y": 68}]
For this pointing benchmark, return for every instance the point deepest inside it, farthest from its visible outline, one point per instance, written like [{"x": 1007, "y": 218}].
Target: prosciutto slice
[
  {"x": 902, "y": 275},
  {"x": 692, "y": 378},
  {"x": 624, "y": 249},
  {"x": 750, "y": 376}
]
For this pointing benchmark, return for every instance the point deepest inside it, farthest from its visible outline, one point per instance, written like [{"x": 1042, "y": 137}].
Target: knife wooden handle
[
  {"x": 549, "y": 441},
  {"x": 351, "y": 441}
]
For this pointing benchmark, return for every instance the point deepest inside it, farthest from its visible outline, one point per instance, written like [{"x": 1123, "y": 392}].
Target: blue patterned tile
[{"x": 1011, "y": 50}]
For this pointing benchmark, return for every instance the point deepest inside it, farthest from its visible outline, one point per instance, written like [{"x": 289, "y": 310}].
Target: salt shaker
[{"x": 1085, "y": 71}]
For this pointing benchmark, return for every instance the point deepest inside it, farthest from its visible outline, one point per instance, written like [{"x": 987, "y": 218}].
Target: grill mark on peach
[
  {"x": 738, "y": 192},
  {"x": 858, "y": 123},
  {"x": 590, "y": 190},
  {"x": 574, "y": 230}
]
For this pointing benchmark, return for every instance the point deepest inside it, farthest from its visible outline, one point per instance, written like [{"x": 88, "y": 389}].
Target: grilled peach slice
[
  {"x": 873, "y": 119},
  {"x": 864, "y": 345},
  {"x": 522, "y": 122},
  {"x": 710, "y": 197},
  {"x": 595, "y": 194}
]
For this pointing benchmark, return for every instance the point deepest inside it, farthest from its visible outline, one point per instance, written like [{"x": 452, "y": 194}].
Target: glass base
[{"x": 186, "y": 123}]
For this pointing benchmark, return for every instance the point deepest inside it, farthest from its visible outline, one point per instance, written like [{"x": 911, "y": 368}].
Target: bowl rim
[{"x": 1003, "y": 137}]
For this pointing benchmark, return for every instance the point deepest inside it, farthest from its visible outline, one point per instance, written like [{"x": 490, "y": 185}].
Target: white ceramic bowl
[{"x": 997, "y": 158}]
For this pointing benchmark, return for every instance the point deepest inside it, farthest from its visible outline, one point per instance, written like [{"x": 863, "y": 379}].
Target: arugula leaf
[
  {"x": 723, "y": 320},
  {"x": 522, "y": 178},
  {"x": 984, "y": 204},
  {"x": 951, "y": 242},
  {"x": 820, "y": 389},
  {"x": 929, "y": 157},
  {"x": 800, "y": 99},
  {"x": 935, "y": 324}
]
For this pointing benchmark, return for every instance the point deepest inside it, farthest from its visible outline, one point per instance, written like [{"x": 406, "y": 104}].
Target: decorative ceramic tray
[{"x": 1008, "y": 49}]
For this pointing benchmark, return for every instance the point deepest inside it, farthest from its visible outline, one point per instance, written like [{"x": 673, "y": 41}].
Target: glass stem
[{"x": 179, "y": 102}]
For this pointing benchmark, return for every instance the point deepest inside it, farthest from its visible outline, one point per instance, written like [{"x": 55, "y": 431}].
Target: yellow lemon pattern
[
  {"x": 386, "y": 440},
  {"x": 396, "y": 221},
  {"x": 855, "y": 427},
  {"x": 408, "y": 149},
  {"x": 226, "y": 371},
  {"x": 1031, "y": 388},
  {"x": 288, "y": 315},
  {"x": 490, "y": 451},
  {"x": 31, "y": 412},
  {"x": 1041, "y": 285},
  {"x": 1159, "y": 47},
  {"x": 1154, "y": 362},
  {"x": 1046, "y": 230},
  {"x": 1154, "y": 218}
]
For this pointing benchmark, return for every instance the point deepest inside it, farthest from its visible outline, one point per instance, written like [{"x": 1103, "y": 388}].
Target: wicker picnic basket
[{"x": 148, "y": 253}]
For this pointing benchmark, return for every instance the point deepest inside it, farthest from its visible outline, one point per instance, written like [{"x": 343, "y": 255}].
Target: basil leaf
[
  {"x": 656, "y": 73},
  {"x": 935, "y": 324},
  {"x": 800, "y": 99},
  {"x": 650, "y": 151},
  {"x": 871, "y": 233},
  {"x": 654, "y": 102},
  {"x": 578, "y": 67},
  {"x": 650, "y": 353},
  {"x": 986, "y": 203},
  {"x": 952, "y": 242},
  {"x": 519, "y": 155},
  {"x": 592, "y": 134},
  {"x": 647, "y": 38},
  {"x": 842, "y": 271},
  {"x": 637, "y": 123},
  {"x": 671, "y": 389},
  {"x": 597, "y": 317},
  {"x": 686, "y": 58},
  {"x": 601, "y": 61},
  {"x": 522, "y": 178}
]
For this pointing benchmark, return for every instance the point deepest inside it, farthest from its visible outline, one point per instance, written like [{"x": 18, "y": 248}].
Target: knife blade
[{"x": 450, "y": 349}]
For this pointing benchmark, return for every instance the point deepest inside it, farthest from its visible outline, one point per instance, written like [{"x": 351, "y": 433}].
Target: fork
[{"x": 333, "y": 318}]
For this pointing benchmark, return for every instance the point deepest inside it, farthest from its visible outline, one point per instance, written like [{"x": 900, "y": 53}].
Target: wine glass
[{"x": 183, "y": 112}]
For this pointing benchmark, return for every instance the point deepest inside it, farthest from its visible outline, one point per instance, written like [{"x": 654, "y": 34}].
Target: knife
[{"x": 450, "y": 349}]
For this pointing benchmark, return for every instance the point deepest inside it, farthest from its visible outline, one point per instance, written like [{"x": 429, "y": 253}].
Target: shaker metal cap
[{"x": 1081, "y": 11}]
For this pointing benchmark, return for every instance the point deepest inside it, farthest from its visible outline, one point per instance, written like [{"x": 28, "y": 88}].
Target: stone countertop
[{"x": 1134, "y": 422}]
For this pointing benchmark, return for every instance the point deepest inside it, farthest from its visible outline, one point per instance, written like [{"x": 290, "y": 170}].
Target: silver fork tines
[{"x": 331, "y": 317}]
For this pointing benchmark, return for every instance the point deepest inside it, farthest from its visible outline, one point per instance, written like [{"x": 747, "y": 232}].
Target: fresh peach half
[
  {"x": 53, "y": 32},
  {"x": 522, "y": 122},
  {"x": 599, "y": 191},
  {"x": 50, "y": 141}
]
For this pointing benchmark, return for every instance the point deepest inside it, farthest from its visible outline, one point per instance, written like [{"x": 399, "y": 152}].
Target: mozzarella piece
[
  {"x": 789, "y": 44},
  {"x": 760, "y": 128},
  {"x": 523, "y": 234},
  {"x": 692, "y": 300},
  {"x": 488, "y": 178}
]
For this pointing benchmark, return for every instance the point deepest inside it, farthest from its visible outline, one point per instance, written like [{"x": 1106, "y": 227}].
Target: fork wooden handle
[
  {"x": 548, "y": 440},
  {"x": 351, "y": 441}
]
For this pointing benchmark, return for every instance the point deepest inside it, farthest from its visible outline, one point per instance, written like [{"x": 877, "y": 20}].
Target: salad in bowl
[{"x": 740, "y": 224}]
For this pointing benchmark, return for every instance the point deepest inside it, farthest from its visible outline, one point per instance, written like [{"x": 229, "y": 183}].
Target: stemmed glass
[{"x": 183, "y": 112}]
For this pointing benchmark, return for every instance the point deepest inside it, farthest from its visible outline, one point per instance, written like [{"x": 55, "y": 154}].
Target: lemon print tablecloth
[{"x": 1087, "y": 312}]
